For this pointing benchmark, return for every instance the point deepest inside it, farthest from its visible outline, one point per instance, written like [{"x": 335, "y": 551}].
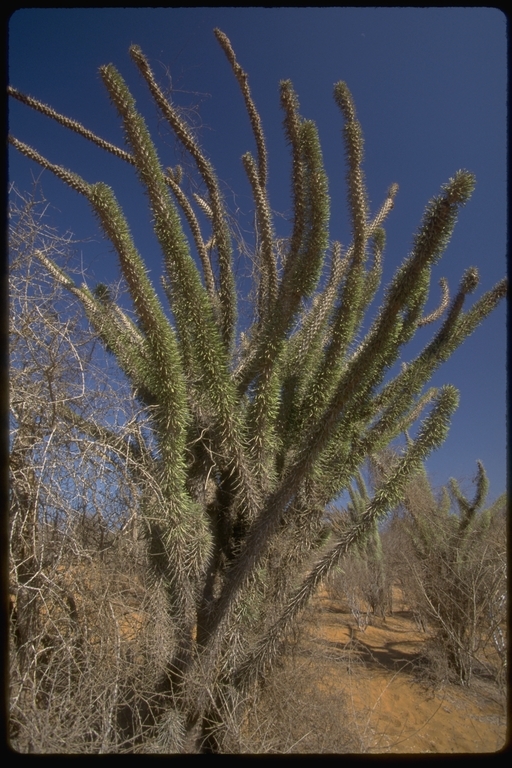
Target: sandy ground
[{"x": 391, "y": 709}]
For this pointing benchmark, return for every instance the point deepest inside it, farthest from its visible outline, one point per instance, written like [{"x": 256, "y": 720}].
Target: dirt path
[{"x": 390, "y": 708}]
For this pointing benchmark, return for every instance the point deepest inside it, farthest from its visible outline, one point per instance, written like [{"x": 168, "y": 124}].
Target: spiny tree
[
  {"x": 457, "y": 572},
  {"x": 255, "y": 437}
]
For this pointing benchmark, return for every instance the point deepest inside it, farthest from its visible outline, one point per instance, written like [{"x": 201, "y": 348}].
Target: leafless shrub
[
  {"x": 81, "y": 641},
  {"x": 453, "y": 568},
  {"x": 300, "y": 711}
]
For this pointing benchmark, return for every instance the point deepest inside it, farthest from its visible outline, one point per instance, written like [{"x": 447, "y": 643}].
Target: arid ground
[{"x": 392, "y": 705}]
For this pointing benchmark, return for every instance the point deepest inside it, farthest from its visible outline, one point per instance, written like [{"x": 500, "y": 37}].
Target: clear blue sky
[{"x": 430, "y": 91}]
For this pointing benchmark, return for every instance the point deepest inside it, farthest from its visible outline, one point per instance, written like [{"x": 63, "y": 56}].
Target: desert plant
[
  {"x": 76, "y": 568},
  {"x": 457, "y": 571},
  {"x": 254, "y": 433},
  {"x": 362, "y": 578}
]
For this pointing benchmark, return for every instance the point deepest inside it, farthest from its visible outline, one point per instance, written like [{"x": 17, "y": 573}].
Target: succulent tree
[{"x": 254, "y": 433}]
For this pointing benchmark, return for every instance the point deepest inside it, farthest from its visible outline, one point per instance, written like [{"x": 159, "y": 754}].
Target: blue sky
[{"x": 430, "y": 91}]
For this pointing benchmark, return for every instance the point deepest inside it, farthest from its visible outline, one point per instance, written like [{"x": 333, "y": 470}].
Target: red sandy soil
[
  {"x": 391, "y": 709},
  {"x": 390, "y": 706}
]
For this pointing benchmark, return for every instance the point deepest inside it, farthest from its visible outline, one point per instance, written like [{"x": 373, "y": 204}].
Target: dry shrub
[
  {"x": 88, "y": 678},
  {"x": 364, "y": 587},
  {"x": 449, "y": 553},
  {"x": 301, "y": 709}
]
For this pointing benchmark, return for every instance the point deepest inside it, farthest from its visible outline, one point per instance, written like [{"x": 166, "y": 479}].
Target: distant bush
[
  {"x": 453, "y": 559},
  {"x": 362, "y": 578}
]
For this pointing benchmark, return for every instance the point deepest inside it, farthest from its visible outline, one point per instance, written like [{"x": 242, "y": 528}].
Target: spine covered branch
[{"x": 249, "y": 444}]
